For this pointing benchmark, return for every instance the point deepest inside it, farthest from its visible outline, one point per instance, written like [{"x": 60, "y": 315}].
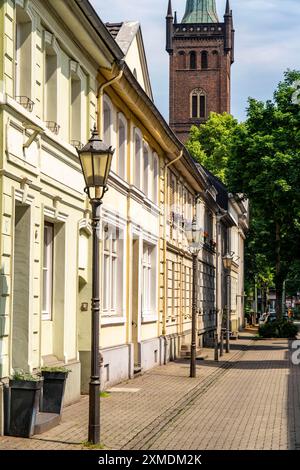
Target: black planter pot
[
  {"x": 53, "y": 391},
  {"x": 22, "y": 404}
]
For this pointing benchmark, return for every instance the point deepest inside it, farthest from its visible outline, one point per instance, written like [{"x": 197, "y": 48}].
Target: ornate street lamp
[
  {"x": 227, "y": 261},
  {"x": 193, "y": 235},
  {"x": 95, "y": 158}
]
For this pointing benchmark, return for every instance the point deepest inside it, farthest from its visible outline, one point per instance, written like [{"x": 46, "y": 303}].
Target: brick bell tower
[{"x": 201, "y": 51}]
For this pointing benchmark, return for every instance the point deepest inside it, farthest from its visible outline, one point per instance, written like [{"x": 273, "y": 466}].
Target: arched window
[
  {"x": 193, "y": 60},
  {"x": 122, "y": 131},
  {"x": 146, "y": 169},
  {"x": 198, "y": 104},
  {"x": 215, "y": 60},
  {"x": 155, "y": 178},
  {"x": 181, "y": 60},
  {"x": 137, "y": 157},
  {"x": 204, "y": 60}
]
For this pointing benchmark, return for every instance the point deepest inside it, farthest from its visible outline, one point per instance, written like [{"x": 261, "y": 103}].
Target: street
[{"x": 249, "y": 400}]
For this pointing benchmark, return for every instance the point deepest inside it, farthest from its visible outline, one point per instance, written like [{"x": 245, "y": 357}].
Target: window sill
[
  {"x": 151, "y": 318},
  {"x": 111, "y": 320}
]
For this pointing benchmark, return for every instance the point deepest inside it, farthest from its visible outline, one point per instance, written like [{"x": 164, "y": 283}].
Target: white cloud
[{"x": 267, "y": 43}]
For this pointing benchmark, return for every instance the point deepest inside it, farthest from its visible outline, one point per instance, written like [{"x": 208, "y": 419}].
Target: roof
[
  {"x": 128, "y": 36},
  {"x": 222, "y": 192},
  {"x": 200, "y": 11},
  {"x": 124, "y": 33},
  {"x": 114, "y": 28}
]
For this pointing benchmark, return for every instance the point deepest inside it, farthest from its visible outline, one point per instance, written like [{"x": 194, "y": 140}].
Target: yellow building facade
[{"x": 61, "y": 71}]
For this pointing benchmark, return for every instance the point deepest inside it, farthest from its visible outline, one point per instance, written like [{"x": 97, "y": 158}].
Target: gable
[{"x": 128, "y": 36}]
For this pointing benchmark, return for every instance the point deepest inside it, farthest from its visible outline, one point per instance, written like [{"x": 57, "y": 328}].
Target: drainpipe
[
  {"x": 164, "y": 328},
  {"x": 100, "y": 94}
]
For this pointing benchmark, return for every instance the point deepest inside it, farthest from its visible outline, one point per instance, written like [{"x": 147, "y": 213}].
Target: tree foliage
[
  {"x": 210, "y": 144},
  {"x": 261, "y": 159}
]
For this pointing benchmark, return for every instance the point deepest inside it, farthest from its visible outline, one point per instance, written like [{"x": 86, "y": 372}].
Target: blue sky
[{"x": 267, "y": 43}]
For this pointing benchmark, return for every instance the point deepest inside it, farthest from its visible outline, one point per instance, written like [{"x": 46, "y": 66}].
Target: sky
[{"x": 267, "y": 43}]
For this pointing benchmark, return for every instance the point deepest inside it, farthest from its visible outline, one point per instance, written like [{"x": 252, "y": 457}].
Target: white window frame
[
  {"x": 48, "y": 261},
  {"x": 114, "y": 275},
  {"x": 149, "y": 282}
]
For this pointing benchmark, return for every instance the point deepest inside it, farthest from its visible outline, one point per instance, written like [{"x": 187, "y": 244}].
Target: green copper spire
[{"x": 200, "y": 11}]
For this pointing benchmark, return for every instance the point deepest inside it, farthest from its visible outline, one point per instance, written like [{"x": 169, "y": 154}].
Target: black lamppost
[
  {"x": 193, "y": 235},
  {"x": 95, "y": 158},
  {"x": 227, "y": 261}
]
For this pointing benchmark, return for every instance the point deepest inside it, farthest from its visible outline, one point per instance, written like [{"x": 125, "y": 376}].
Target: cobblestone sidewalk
[{"x": 249, "y": 400}]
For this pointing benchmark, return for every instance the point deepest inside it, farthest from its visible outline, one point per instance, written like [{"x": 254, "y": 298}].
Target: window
[
  {"x": 107, "y": 123},
  {"x": 193, "y": 60},
  {"x": 122, "y": 130},
  {"x": 194, "y": 106},
  {"x": 204, "y": 60},
  {"x": 23, "y": 55},
  {"x": 113, "y": 277},
  {"x": 146, "y": 170},
  {"x": 78, "y": 108},
  {"x": 181, "y": 60},
  {"x": 137, "y": 158},
  {"x": 149, "y": 281},
  {"x": 51, "y": 76},
  {"x": 75, "y": 109},
  {"x": 198, "y": 104},
  {"x": 155, "y": 178},
  {"x": 48, "y": 271},
  {"x": 83, "y": 250}
]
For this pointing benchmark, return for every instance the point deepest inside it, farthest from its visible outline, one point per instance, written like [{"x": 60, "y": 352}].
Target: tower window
[
  {"x": 195, "y": 106},
  {"x": 198, "y": 104},
  {"x": 204, "y": 60},
  {"x": 193, "y": 60},
  {"x": 202, "y": 106}
]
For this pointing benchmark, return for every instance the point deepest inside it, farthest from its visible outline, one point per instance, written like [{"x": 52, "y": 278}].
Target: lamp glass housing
[
  {"x": 193, "y": 235},
  {"x": 95, "y": 158},
  {"x": 227, "y": 261}
]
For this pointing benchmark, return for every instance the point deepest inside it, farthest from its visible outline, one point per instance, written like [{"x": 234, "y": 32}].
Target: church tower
[{"x": 201, "y": 50}]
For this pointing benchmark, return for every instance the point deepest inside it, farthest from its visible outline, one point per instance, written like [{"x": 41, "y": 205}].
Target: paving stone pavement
[{"x": 250, "y": 399}]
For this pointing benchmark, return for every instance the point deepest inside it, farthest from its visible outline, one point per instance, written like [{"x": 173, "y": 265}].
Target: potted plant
[
  {"x": 54, "y": 384},
  {"x": 22, "y": 403}
]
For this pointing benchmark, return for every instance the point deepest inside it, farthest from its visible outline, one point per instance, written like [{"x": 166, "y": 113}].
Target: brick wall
[{"x": 214, "y": 81}]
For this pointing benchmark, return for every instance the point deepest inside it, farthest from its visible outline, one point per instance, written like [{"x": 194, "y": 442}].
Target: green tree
[
  {"x": 210, "y": 144},
  {"x": 264, "y": 165},
  {"x": 261, "y": 159}
]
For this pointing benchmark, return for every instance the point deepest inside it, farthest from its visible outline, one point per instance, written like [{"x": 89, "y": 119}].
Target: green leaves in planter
[
  {"x": 20, "y": 375},
  {"x": 55, "y": 369}
]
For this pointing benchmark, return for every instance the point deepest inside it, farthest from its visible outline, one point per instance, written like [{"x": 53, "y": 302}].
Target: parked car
[{"x": 272, "y": 317}]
